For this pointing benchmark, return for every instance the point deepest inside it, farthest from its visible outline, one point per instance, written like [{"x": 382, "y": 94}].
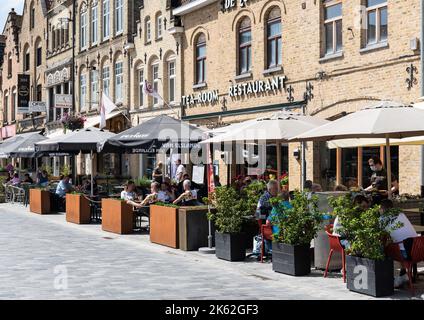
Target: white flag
[
  {"x": 148, "y": 89},
  {"x": 106, "y": 107}
]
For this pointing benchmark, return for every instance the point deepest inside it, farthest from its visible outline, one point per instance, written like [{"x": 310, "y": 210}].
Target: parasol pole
[
  {"x": 278, "y": 146},
  {"x": 389, "y": 167},
  {"x": 92, "y": 173}
]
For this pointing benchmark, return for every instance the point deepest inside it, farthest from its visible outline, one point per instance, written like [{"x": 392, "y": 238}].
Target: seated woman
[
  {"x": 129, "y": 194},
  {"x": 43, "y": 178},
  {"x": 15, "y": 180},
  {"x": 27, "y": 178},
  {"x": 166, "y": 192},
  {"x": 154, "y": 196},
  {"x": 272, "y": 219},
  {"x": 188, "y": 197},
  {"x": 362, "y": 203}
]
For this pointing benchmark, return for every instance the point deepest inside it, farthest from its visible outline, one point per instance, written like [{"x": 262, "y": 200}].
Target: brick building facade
[
  {"x": 219, "y": 62},
  {"x": 349, "y": 53}
]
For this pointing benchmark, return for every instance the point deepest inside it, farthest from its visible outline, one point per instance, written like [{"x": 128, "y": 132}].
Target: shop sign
[
  {"x": 206, "y": 97},
  {"x": 23, "y": 93},
  {"x": 257, "y": 87},
  {"x": 37, "y": 106},
  {"x": 63, "y": 101}
]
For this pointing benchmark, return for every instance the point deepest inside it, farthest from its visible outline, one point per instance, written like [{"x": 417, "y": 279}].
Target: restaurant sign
[
  {"x": 206, "y": 97},
  {"x": 257, "y": 87},
  {"x": 23, "y": 93},
  {"x": 246, "y": 89}
]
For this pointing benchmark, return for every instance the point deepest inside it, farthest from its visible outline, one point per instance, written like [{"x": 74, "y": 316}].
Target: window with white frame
[
  {"x": 94, "y": 23},
  {"x": 333, "y": 27},
  {"x": 148, "y": 30},
  {"x": 201, "y": 59},
  {"x": 377, "y": 24},
  {"x": 13, "y": 103},
  {"x": 119, "y": 80},
  {"x": 83, "y": 91},
  {"x": 39, "y": 55},
  {"x": 159, "y": 27},
  {"x": 119, "y": 16},
  {"x": 94, "y": 88},
  {"x": 155, "y": 73},
  {"x": 106, "y": 80},
  {"x": 245, "y": 46},
  {"x": 6, "y": 108},
  {"x": 141, "y": 87},
  {"x": 172, "y": 74},
  {"x": 106, "y": 19},
  {"x": 83, "y": 29},
  {"x": 274, "y": 43}
]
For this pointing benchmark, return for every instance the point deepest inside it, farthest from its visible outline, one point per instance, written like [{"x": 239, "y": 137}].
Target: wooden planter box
[
  {"x": 193, "y": 228},
  {"x": 291, "y": 260},
  {"x": 164, "y": 226},
  {"x": 117, "y": 216},
  {"x": 370, "y": 277},
  {"x": 77, "y": 209},
  {"x": 39, "y": 201},
  {"x": 230, "y": 246}
]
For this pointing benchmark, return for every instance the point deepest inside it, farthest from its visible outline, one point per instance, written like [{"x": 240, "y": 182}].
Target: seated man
[
  {"x": 402, "y": 235},
  {"x": 188, "y": 197},
  {"x": 64, "y": 186},
  {"x": 264, "y": 208},
  {"x": 180, "y": 186}
]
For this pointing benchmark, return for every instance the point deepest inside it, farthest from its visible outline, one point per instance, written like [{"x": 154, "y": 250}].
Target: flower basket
[{"x": 72, "y": 122}]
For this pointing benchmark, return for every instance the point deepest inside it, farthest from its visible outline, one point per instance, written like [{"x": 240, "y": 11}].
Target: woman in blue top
[{"x": 276, "y": 212}]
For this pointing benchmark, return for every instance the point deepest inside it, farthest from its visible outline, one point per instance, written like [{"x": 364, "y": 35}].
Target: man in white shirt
[
  {"x": 181, "y": 170},
  {"x": 399, "y": 235}
]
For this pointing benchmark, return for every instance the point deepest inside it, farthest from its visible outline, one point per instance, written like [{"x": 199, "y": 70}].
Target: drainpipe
[{"x": 422, "y": 88}]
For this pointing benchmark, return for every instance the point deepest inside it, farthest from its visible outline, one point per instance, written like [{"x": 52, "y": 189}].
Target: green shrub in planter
[
  {"x": 297, "y": 227},
  {"x": 368, "y": 270},
  {"x": 228, "y": 221}
]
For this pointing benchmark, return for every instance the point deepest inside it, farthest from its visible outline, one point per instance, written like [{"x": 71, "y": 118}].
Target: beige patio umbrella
[
  {"x": 279, "y": 127},
  {"x": 386, "y": 120}
]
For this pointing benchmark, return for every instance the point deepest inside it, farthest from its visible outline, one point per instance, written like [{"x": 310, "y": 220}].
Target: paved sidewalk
[{"x": 36, "y": 252}]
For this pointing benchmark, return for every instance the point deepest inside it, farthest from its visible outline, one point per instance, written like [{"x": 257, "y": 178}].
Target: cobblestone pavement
[{"x": 36, "y": 252}]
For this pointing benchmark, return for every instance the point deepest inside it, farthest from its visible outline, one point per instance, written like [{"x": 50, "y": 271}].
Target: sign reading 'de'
[
  {"x": 37, "y": 106},
  {"x": 63, "y": 101},
  {"x": 229, "y": 4}
]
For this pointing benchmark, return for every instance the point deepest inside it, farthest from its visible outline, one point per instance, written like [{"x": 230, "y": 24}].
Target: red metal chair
[
  {"x": 417, "y": 255},
  {"x": 266, "y": 233},
  {"x": 335, "y": 246}
]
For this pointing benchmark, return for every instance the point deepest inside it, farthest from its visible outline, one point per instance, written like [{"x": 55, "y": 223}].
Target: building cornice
[{"x": 191, "y": 6}]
